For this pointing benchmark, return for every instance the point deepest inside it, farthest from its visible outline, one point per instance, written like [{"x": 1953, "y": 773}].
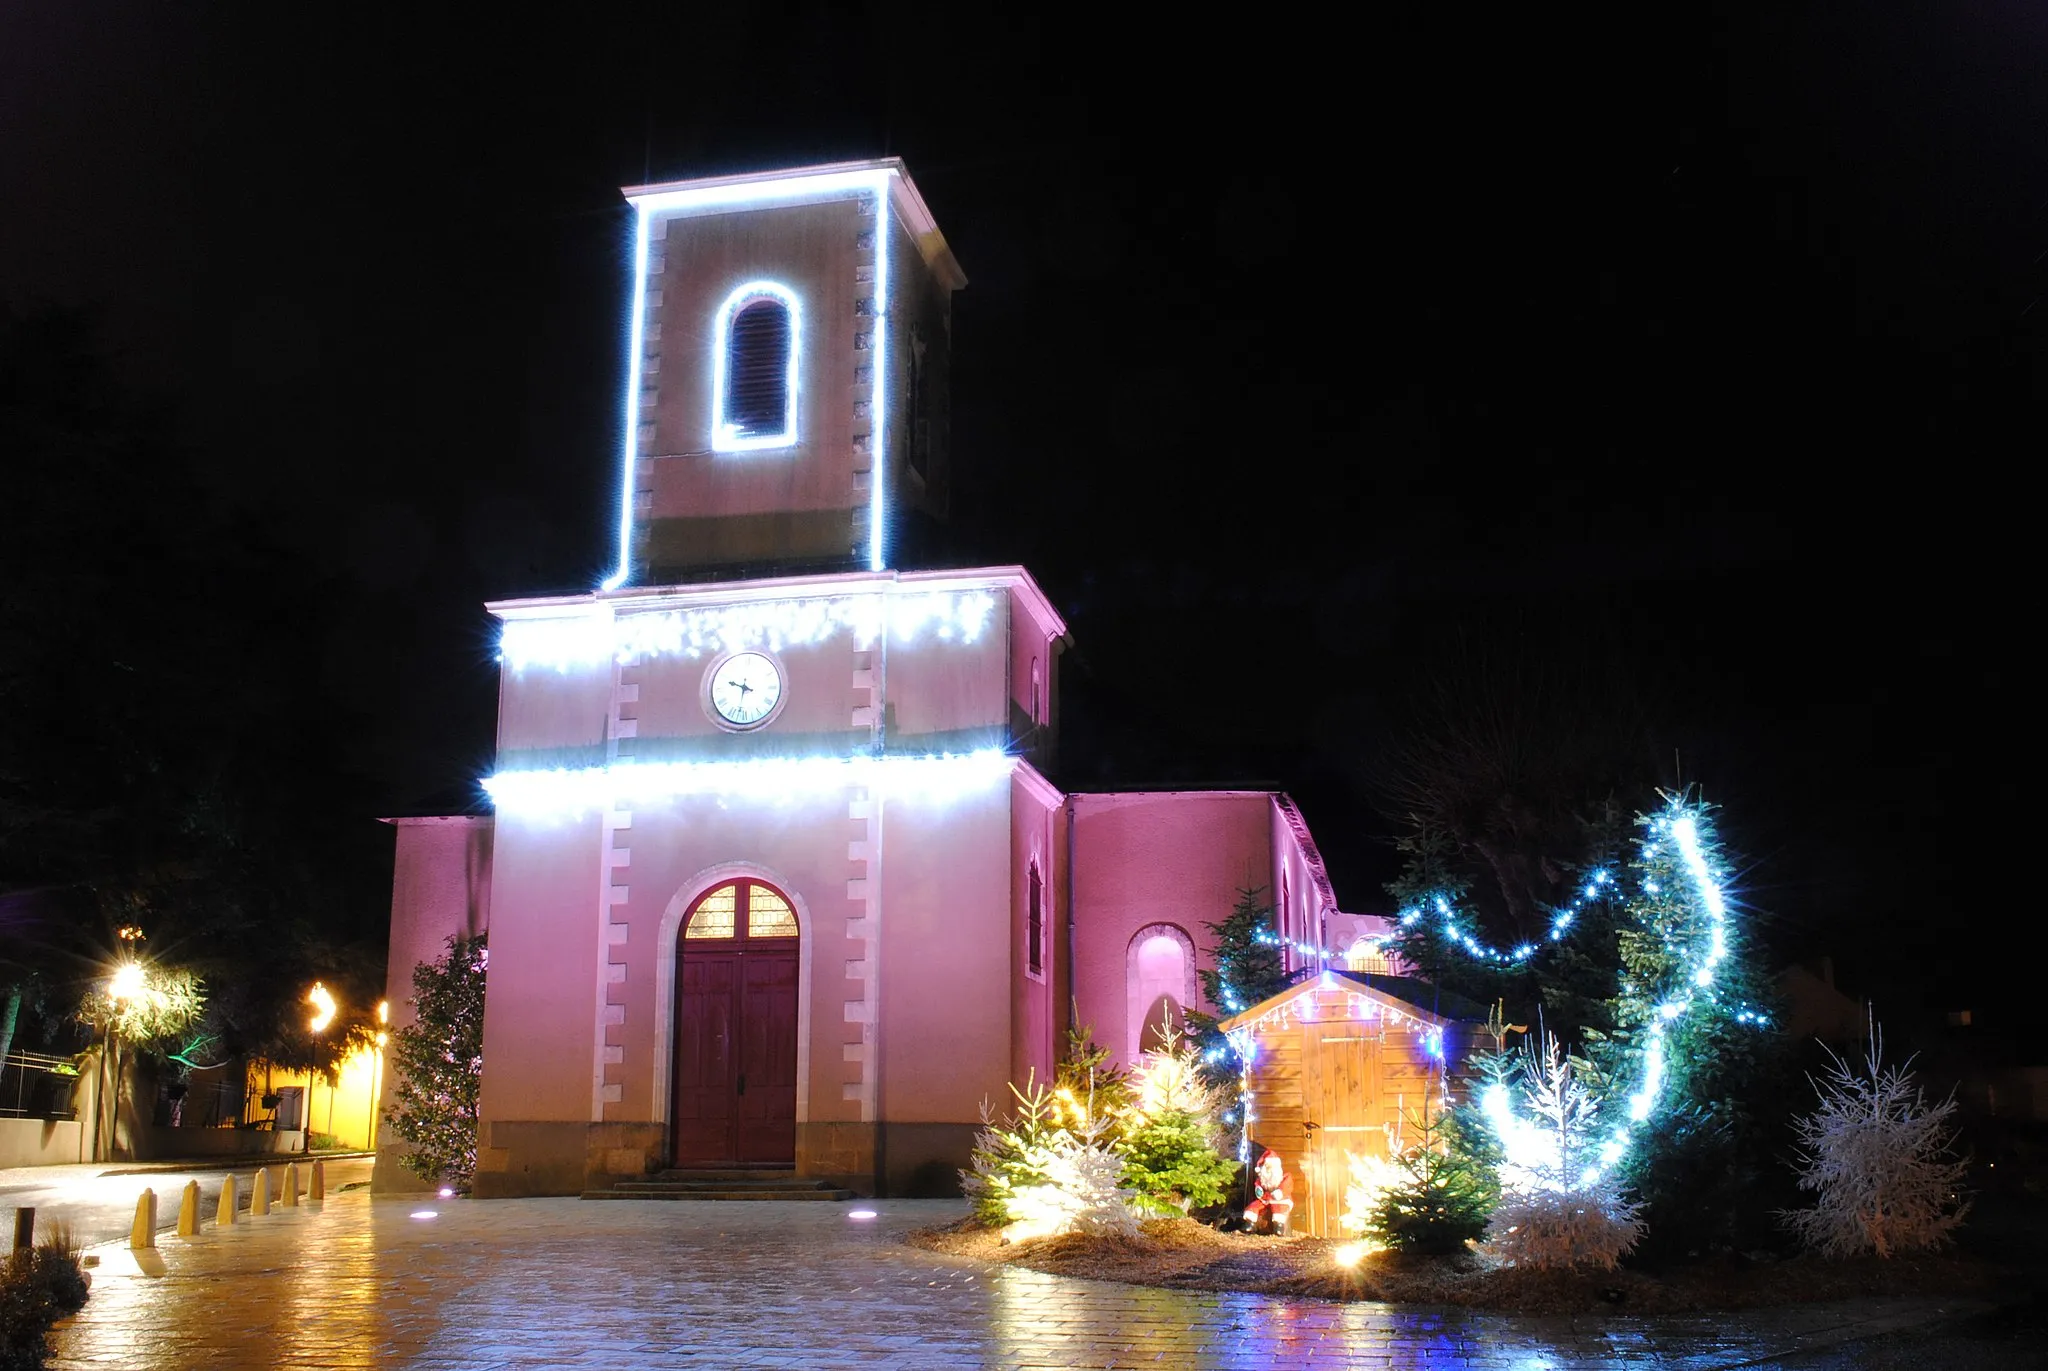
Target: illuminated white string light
[
  {"x": 605, "y": 633},
  {"x": 564, "y": 792},
  {"x": 1599, "y": 886},
  {"x": 745, "y": 193},
  {"x": 1529, "y": 1148},
  {"x": 726, "y": 434}
]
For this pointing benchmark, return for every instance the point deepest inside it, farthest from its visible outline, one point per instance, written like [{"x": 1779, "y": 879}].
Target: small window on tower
[
  {"x": 756, "y": 365},
  {"x": 1034, "y": 925}
]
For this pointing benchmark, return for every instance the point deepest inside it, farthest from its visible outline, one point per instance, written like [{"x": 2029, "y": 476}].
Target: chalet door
[
  {"x": 1341, "y": 1100},
  {"x": 736, "y": 1020}
]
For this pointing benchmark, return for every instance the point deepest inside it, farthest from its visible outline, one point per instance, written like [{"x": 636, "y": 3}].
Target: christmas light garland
[
  {"x": 598, "y": 634},
  {"x": 1679, "y": 833}
]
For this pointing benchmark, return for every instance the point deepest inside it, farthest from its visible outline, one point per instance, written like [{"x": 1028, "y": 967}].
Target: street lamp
[
  {"x": 323, "y": 1015},
  {"x": 125, "y": 984},
  {"x": 377, "y": 1067}
]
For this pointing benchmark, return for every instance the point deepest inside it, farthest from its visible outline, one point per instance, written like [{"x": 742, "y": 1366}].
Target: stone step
[
  {"x": 759, "y": 1173},
  {"x": 643, "y": 1191}
]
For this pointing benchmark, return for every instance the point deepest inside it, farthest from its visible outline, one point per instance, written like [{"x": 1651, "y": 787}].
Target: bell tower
[{"x": 787, "y": 380}]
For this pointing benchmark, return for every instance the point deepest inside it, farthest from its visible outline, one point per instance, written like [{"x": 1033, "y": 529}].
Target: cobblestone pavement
[{"x": 562, "y": 1283}]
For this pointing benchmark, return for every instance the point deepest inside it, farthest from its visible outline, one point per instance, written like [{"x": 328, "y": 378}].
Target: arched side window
[
  {"x": 1159, "y": 985},
  {"x": 754, "y": 369},
  {"x": 1034, "y": 925},
  {"x": 1368, "y": 956}
]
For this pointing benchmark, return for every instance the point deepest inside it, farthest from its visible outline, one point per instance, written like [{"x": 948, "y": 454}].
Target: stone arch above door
[{"x": 666, "y": 939}]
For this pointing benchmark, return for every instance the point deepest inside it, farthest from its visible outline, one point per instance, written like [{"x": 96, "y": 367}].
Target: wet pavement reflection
[{"x": 563, "y": 1283}]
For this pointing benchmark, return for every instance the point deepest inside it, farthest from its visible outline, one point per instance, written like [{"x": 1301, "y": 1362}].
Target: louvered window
[
  {"x": 1034, "y": 926},
  {"x": 757, "y": 370}
]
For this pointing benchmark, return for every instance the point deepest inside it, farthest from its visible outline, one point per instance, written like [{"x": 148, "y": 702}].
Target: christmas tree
[
  {"x": 1247, "y": 969},
  {"x": 439, "y": 1063}
]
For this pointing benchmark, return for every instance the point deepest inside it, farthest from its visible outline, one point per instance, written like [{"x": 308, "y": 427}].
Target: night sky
[{"x": 1692, "y": 361}]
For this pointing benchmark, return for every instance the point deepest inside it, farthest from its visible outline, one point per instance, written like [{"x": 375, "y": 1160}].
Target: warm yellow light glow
[
  {"x": 1350, "y": 1254},
  {"x": 323, "y": 1007},
  {"x": 382, "y": 1038},
  {"x": 383, "y": 1013},
  {"x": 127, "y": 981}
]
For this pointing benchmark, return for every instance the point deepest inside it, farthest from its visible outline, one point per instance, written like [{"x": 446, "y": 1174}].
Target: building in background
[{"x": 774, "y": 876}]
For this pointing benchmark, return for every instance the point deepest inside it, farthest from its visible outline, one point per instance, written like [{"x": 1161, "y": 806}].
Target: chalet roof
[{"x": 1418, "y": 999}]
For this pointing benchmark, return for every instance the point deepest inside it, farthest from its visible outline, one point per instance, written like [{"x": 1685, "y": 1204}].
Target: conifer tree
[
  {"x": 1881, "y": 1159},
  {"x": 1444, "y": 1194},
  {"x": 439, "y": 1062},
  {"x": 1247, "y": 968}
]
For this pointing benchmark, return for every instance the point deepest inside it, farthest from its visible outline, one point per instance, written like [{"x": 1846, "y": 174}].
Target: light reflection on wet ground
[{"x": 561, "y": 1283}]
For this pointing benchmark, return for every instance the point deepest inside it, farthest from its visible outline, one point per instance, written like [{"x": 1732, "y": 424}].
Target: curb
[{"x": 249, "y": 1162}]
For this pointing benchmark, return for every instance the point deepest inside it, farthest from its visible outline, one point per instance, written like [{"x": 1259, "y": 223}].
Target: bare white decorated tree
[
  {"x": 1882, "y": 1160},
  {"x": 1559, "y": 1207}
]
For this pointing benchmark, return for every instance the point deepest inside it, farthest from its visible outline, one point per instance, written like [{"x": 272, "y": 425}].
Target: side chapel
[{"x": 773, "y": 876}]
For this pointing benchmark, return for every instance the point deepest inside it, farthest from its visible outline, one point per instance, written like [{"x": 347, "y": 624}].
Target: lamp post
[
  {"x": 124, "y": 985},
  {"x": 323, "y": 1015},
  {"x": 377, "y": 1067}
]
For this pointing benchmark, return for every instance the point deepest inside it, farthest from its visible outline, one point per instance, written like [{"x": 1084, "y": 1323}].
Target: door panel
[
  {"x": 767, "y": 1059},
  {"x": 706, "y": 1059},
  {"x": 1341, "y": 1095}
]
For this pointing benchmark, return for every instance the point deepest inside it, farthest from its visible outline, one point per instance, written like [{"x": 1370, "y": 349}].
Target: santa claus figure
[{"x": 1270, "y": 1204}]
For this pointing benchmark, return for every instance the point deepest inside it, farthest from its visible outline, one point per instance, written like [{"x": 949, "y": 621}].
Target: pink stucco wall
[
  {"x": 440, "y": 887},
  {"x": 1175, "y": 858},
  {"x": 540, "y": 993}
]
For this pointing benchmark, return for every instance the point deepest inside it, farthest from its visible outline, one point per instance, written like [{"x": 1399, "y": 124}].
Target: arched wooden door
[{"x": 736, "y": 1016}]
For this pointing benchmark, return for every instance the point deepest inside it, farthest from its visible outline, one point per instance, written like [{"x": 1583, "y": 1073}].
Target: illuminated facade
[{"x": 775, "y": 876}]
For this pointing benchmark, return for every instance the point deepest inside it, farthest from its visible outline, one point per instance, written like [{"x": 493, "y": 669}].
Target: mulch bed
[{"x": 1182, "y": 1254}]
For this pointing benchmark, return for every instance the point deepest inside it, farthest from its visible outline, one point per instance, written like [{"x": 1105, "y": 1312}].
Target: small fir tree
[
  {"x": 1032, "y": 1176},
  {"x": 439, "y": 1062},
  {"x": 1881, "y": 1159},
  {"x": 1010, "y": 1153},
  {"x": 1558, "y": 1207},
  {"x": 1170, "y": 1141},
  {"x": 1443, "y": 1192},
  {"x": 1088, "y": 1086}
]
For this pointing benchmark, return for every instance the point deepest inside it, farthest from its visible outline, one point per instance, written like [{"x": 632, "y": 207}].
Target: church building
[{"x": 773, "y": 875}]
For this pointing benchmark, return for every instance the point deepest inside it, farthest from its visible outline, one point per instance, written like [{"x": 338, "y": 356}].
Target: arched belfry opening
[{"x": 735, "y": 1065}]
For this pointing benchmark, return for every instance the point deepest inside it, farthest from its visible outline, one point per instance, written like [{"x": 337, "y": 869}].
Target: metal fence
[{"x": 34, "y": 1085}]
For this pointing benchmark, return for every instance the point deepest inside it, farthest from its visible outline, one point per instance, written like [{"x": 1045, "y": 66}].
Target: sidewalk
[
  {"x": 466, "y": 1285},
  {"x": 70, "y": 1173}
]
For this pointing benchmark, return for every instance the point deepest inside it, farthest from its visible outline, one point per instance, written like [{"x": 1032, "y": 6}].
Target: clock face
[{"x": 745, "y": 688}]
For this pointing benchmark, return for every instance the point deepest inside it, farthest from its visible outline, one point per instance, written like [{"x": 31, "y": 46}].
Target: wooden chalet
[{"x": 1343, "y": 1063}]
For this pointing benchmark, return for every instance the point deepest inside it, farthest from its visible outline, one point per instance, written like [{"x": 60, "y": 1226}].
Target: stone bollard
[
  {"x": 24, "y": 1227},
  {"x": 291, "y": 1185},
  {"x": 259, "y": 1194},
  {"x": 316, "y": 1192},
  {"x": 188, "y": 1211},
  {"x": 142, "y": 1233},
  {"x": 225, "y": 1214}
]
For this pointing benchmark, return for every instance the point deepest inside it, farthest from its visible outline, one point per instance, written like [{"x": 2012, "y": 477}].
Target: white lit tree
[
  {"x": 1559, "y": 1206},
  {"x": 1033, "y": 1176},
  {"x": 1881, "y": 1159}
]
